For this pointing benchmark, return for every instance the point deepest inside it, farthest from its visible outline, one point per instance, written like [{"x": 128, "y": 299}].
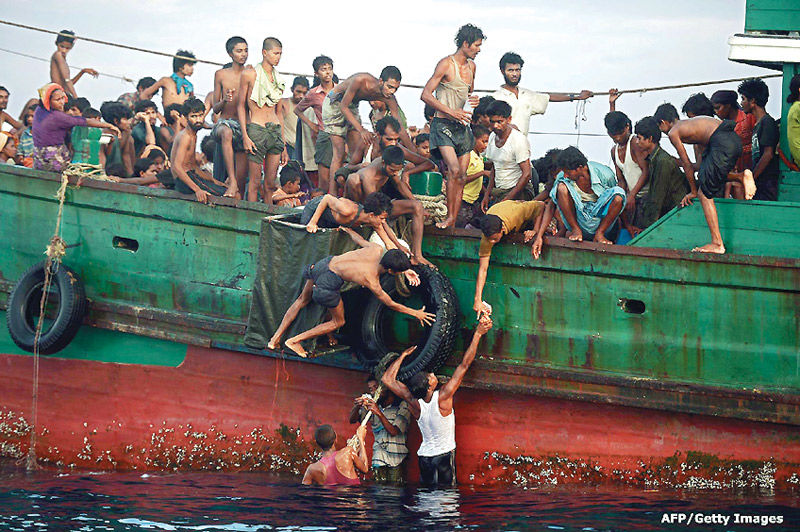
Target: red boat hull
[{"x": 228, "y": 410}]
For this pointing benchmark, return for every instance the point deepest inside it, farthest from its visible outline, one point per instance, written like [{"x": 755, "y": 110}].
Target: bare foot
[
  {"x": 274, "y": 343},
  {"x": 296, "y": 349},
  {"x": 575, "y": 235},
  {"x": 450, "y": 220},
  {"x": 749, "y": 188},
  {"x": 416, "y": 261},
  {"x": 601, "y": 238},
  {"x": 711, "y": 248}
]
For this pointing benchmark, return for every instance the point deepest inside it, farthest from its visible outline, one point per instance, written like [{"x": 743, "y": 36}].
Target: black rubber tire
[
  {"x": 25, "y": 298},
  {"x": 436, "y": 346}
]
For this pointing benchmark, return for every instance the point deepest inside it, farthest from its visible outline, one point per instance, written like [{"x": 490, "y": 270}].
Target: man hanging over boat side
[
  {"x": 432, "y": 407},
  {"x": 503, "y": 218},
  {"x": 325, "y": 279},
  {"x": 261, "y": 90},
  {"x": 721, "y": 148}
]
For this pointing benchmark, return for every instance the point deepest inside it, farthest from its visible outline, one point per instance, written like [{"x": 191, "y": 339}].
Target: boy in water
[
  {"x": 59, "y": 70},
  {"x": 337, "y": 468},
  {"x": 721, "y": 149},
  {"x": 260, "y": 91},
  {"x": 230, "y": 162},
  {"x": 190, "y": 178},
  {"x": 450, "y": 136},
  {"x": 175, "y": 88}
]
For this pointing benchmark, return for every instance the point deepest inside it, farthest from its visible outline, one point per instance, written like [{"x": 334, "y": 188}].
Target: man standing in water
[
  {"x": 432, "y": 407},
  {"x": 260, "y": 91},
  {"x": 337, "y": 468},
  {"x": 450, "y": 137}
]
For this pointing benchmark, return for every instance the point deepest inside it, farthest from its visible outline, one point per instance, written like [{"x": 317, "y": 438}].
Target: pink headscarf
[{"x": 46, "y": 92}]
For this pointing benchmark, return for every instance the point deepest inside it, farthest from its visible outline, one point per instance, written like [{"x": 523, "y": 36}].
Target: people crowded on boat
[{"x": 254, "y": 125}]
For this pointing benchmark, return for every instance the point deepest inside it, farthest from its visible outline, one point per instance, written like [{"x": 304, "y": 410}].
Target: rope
[
  {"x": 435, "y": 207},
  {"x": 407, "y": 85},
  {"x": 353, "y": 441},
  {"x": 123, "y": 78},
  {"x": 55, "y": 251}
]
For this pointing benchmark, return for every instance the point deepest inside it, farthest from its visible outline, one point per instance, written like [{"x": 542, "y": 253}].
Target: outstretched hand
[
  {"x": 687, "y": 199},
  {"x": 613, "y": 95},
  {"x": 412, "y": 277},
  {"x": 484, "y": 325},
  {"x": 425, "y": 318},
  {"x": 408, "y": 351}
]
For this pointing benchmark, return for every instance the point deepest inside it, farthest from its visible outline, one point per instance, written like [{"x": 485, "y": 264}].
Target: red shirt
[
  {"x": 314, "y": 98},
  {"x": 744, "y": 128}
]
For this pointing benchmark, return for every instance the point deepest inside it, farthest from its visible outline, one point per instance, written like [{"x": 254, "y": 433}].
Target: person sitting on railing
[
  {"x": 385, "y": 174},
  {"x": 50, "y": 127},
  {"x": 190, "y": 179},
  {"x": 588, "y": 197},
  {"x": 325, "y": 279}
]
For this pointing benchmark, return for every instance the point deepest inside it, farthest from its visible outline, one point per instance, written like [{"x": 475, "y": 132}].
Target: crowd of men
[{"x": 311, "y": 150}]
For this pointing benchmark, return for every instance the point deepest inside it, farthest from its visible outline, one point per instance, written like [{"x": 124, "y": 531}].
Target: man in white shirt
[
  {"x": 526, "y": 103},
  {"x": 510, "y": 153}
]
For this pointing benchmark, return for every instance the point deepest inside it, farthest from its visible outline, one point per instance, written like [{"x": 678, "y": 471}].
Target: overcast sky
[{"x": 567, "y": 47}]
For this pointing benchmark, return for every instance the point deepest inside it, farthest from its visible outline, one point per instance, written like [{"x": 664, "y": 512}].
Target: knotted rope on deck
[{"x": 435, "y": 207}]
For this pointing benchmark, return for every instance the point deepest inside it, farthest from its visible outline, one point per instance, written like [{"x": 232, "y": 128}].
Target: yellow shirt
[
  {"x": 514, "y": 214},
  {"x": 473, "y": 190}
]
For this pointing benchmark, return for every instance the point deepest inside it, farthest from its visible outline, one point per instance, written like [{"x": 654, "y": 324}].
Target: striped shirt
[{"x": 390, "y": 450}]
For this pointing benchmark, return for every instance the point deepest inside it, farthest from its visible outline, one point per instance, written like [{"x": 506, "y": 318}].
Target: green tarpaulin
[{"x": 285, "y": 248}]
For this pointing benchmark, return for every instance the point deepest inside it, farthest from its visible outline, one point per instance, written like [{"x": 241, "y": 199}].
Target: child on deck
[
  {"x": 175, "y": 88},
  {"x": 471, "y": 208},
  {"x": 288, "y": 194},
  {"x": 121, "y": 150},
  {"x": 144, "y": 173},
  {"x": 8, "y": 148},
  {"x": 722, "y": 148},
  {"x": 59, "y": 70}
]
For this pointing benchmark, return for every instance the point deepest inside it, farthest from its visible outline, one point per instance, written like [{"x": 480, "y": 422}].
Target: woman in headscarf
[{"x": 51, "y": 125}]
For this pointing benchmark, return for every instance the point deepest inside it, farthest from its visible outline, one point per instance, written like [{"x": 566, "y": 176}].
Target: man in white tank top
[{"x": 433, "y": 410}]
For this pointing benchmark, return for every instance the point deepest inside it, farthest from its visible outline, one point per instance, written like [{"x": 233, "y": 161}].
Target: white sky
[{"x": 568, "y": 46}]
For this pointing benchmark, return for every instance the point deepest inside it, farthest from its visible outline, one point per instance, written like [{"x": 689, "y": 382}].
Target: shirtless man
[
  {"x": 175, "y": 88},
  {"x": 374, "y": 177},
  {"x": 450, "y": 137},
  {"x": 337, "y": 468},
  {"x": 325, "y": 279},
  {"x": 328, "y": 212},
  {"x": 190, "y": 177},
  {"x": 340, "y": 114},
  {"x": 259, "y": 93},
  {"x": 59, "y": 70},
  {"x": 721, "y": 147},
  {"x": 227, "y": 132},
  {"x": 4, "y": 116}
]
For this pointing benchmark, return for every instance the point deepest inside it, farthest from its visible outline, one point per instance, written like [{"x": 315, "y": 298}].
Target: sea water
[{"x": 242, "y": 502}]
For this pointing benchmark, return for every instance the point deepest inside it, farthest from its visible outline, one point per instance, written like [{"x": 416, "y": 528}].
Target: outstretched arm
[
  {"x": 358, "y": 239},
  {"x": 447, "y": 391},
  {"x": 570, "y": 96},
  {"x": 389, "y": 379},
  {"x": 360, "y": 458},
  {"x": 480, "y": 282}
]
